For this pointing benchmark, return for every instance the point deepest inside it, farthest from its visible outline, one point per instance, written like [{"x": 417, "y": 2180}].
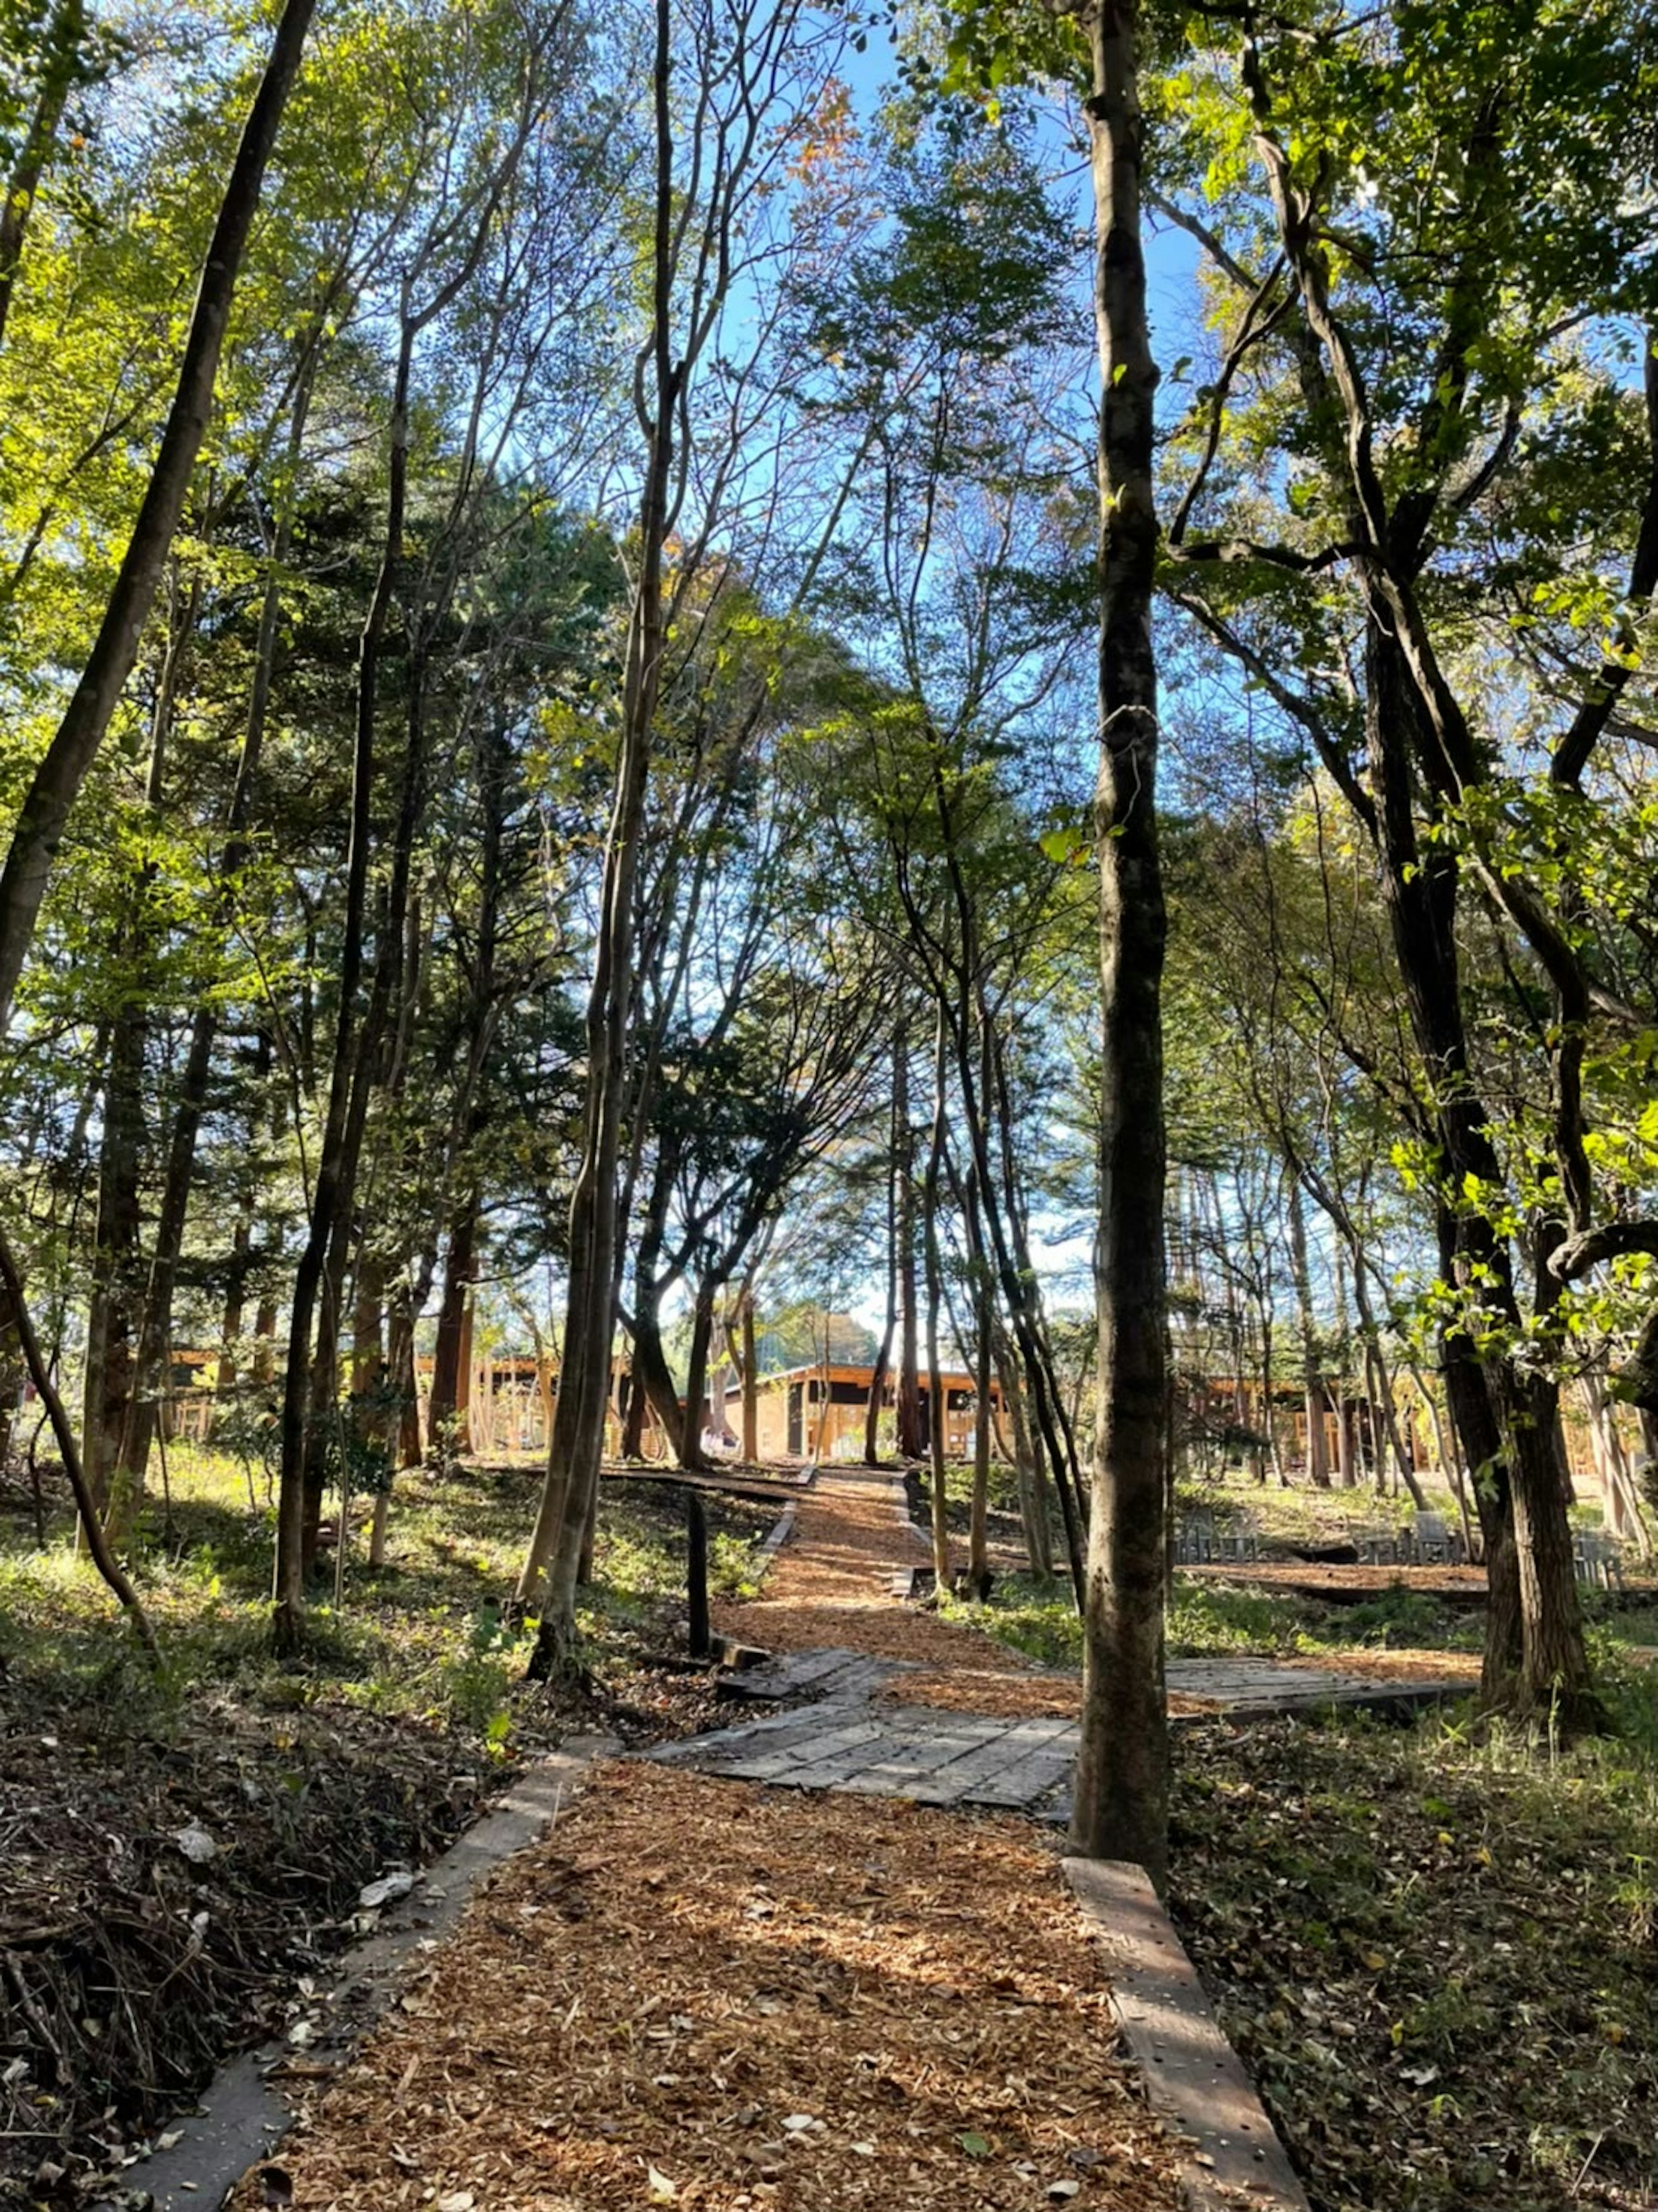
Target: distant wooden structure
[{"x": 817, "y": 1412}]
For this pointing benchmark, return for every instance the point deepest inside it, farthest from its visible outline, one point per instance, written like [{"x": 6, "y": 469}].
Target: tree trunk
[
  {"x": 1121, "y": 1796},
  {"x": 61, "y": 43},
  {"x": 58, "y": 779},
  {"x": 112, "y": 1320},
  {"x": 910, "y": 1442},
  {"x": 192, "y": 1102},
  {"x": 1318, "y": 1455},
  {"x": 12, "y": 1371},
  {"x": 978, "y": 1565},
  {"x": 578, "y": 1442},
  {"x": 931, "y": 1195},
  {"x": 984, "y": 1313},
  {"x": 692, "y": 1457},
  {"x": 654, "y": 1390},
  {"x": 751, "y": 1384},
  {"x": 1033, "y": 1499},
  {"x": 331, "y": 1193},
  {"x": 103, "y": 1557},
  {"x": 878, "y": 1372},
  {"x": 1493, "y": 1402},
  {"x": 449, "y": 1361}
]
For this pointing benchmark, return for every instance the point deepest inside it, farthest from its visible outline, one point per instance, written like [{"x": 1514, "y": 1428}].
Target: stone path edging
[
  {"x": 776, "y": 1536},
  {"x": 249, "y": 2105},
  {"x": 1194, "y": 2081}
]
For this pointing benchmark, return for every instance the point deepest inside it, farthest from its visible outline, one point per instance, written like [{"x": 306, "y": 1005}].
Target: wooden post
[{"x": 698, "y": 1636}]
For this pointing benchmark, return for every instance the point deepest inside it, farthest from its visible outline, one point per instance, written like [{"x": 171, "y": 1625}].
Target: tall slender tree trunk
[
  {"x": 984, "y": 1386},
  {"x": 331, "y": 1189},
  {"x": 911, "y": 1443},
  {"x": 882, "y": 1368},
  {"x": 11, "y": 1286},
  {"x": 459, "y": 1274},
  {"x": 1121, "y": 1796},
  {"x": 576, "y": 1451},
  {"x": 1496, "y": 1406},
  {"x": 112, "y": 1318},
  {"x": 750, "y": 1382},
  {"x": 13, "y": 1370},
  {"x": 191, "y": 1101},
  {"x": 932, "y": 1195},
  {"x": 227, "y": 1368},
  {"x": 1032, "y": 1498},
  {"x": 58, "y": 779},
  {"x": 1315, "y": 1399},
  {"x": 62, "y": 43}
]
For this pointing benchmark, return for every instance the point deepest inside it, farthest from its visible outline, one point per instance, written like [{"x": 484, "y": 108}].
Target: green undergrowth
[
  {"x": 422, "y": 1638},
  {"x": 1209, "y": 1619},
  {"x": 1435, "y": 1950},
  {"x": 1302, "y": 1515}
]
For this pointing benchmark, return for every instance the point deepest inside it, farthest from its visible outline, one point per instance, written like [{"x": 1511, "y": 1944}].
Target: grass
[
  {"x": 1433, "y": 1949},
  {"x": 1303, "y": 1517},
  {"x": 1209, "y": 1618},
  {"x": 422, "y": 1638}
]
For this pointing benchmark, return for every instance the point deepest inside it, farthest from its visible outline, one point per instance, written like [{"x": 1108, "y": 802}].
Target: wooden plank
[
  {"x": 1193, "y": 2078},
  {"x": 759, "y": 1493},
  {"x": 1019, "y": 1788},
  {"x": 832, "y": 1756},
  {"x": 981, "y": 1768}
]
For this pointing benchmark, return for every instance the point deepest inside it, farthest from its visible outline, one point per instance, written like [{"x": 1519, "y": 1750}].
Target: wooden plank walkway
[{"x": 847, "y": 1740}]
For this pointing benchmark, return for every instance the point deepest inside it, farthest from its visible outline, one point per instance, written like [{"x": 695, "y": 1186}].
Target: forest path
[
  {"x": 829, "y": 1586},
  {"x": 945, "y": 1686},
  {"x": 699, "y": 1991}
]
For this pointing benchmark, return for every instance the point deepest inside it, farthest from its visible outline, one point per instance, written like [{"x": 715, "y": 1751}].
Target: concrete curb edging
[
  {"x": 776, "y": 1536},
  {"x": 901, "y": 1505},
  {"x": 252, "y": 2101},
  {"x": 1194, "y": 2081}
]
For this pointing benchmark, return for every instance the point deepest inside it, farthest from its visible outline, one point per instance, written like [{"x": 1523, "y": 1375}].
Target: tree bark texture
[
  {"x": 1121, "y": 1796},
  {"x": 459, "y": 1274}
]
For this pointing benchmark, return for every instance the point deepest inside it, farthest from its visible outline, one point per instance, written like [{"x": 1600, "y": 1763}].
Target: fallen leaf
[{"x": 386, "y": 1889}]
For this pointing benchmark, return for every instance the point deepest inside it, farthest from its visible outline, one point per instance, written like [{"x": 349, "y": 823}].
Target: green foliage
[{"x": 424, "y": 1639}]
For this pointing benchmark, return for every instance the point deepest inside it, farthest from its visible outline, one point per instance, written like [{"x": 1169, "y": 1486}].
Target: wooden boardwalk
[{"x": 845, "y": 1737}]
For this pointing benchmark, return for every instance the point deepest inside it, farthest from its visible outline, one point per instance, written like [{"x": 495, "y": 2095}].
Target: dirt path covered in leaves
[
  {"x": 827, "y": 1587},
  {"x": 714, "y": 1995},
  {"x": 711, "y": 1995}
]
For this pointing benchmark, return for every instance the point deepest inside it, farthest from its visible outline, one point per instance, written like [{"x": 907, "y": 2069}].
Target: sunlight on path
[{"x": 829, "y": 1586}]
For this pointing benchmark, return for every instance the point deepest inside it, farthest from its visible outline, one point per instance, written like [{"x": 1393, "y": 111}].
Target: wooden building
[{"x": 819, "y": 1413}]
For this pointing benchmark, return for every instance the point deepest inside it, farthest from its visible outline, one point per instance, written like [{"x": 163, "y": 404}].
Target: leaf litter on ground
[{"x": 915, "y": 2020}]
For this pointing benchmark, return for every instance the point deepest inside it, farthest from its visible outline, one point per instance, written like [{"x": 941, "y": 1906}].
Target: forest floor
[
  {"x": 716, "y": 1996},
  {"x": 179, "y": 1852},
  {"x": 1436, "y": 1947},
  {"x": 722, "y": 1996}
]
